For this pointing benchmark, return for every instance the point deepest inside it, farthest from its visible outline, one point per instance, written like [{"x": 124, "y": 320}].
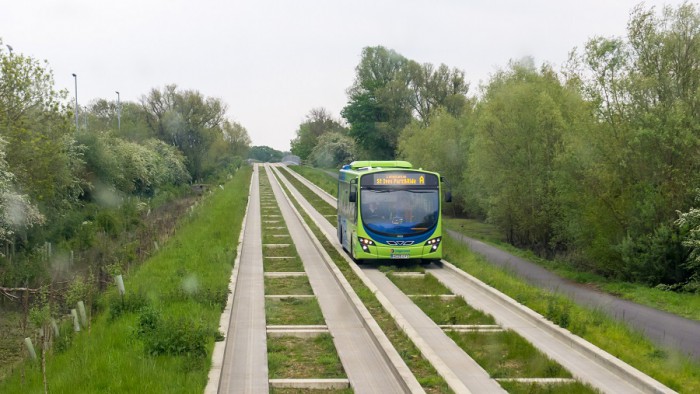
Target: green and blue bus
[{"x": 389, "y": 210}]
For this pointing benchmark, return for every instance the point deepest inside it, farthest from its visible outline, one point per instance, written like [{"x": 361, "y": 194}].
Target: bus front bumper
[{"x": 397, "y": 252}]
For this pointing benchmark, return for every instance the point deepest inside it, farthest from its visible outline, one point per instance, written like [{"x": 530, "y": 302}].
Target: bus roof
[{"x": 356, "y": 165}]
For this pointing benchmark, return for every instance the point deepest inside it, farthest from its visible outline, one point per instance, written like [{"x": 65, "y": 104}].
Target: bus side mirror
[
  {"x": 448, "y": 196},
  {"x": 352, "y": 197}
]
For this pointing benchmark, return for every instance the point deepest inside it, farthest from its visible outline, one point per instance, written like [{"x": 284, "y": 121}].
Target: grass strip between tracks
[{"x": 159, "y": 337}]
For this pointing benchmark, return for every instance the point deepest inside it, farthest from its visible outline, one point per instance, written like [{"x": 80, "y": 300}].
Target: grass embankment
[
  {"x": 319, "y": 177},
  {"x": 159, "y": 338},
  {"x": 681, "y": 304},
  {"x": 672, "y": 369}
]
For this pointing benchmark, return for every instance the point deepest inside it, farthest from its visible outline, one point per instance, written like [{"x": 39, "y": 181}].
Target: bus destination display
[{"x": 403, "y": 179}]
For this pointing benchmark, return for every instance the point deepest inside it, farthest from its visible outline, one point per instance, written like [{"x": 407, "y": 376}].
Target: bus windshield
[{"x": 399, "y": 211}]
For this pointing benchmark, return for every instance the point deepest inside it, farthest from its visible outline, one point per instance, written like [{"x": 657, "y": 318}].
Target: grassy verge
[
  {"x": 159, "y": 338},
  {"x": 421, "y": 368},
  {"x": 672, "y": 369},
  {"x": 318, "y": 177},
  {"x": 682, "y": 304}
]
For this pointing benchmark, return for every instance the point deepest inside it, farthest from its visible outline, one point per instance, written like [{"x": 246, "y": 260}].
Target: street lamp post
[
  {"x": 76, "y": 101},
  {"x": 119, "y": 113}
]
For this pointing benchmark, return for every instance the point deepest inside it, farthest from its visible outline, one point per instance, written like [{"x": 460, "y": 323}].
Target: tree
[
  {"x": 40, "y": 151},
  {"x": 187, "y": 120},
  {"x": 318, "y": 122},
  {"x": 378, "y": 107},
  {"x": 441, "y": 145},
  {"x": 640, "y": 165},
  {"x": 332, "y": 150},
  {"x": 17, "y": 213},
  {"x": 519, "y": 137},
  {"x": 265, "y": 154},
  {"x": 435, "y": 88}
]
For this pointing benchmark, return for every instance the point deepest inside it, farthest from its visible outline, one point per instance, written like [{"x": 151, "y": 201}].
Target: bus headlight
[
  {"x": 365, "y": 243},
  {"x": 435, "y": 242}
]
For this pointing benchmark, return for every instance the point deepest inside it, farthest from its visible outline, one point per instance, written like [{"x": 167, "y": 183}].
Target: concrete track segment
[
  {"x": 601, "y": 375},
  {"x": 245, "y": 359},
  {"x": 364, "y": 362},
  {"x": 592, "y": 360}
]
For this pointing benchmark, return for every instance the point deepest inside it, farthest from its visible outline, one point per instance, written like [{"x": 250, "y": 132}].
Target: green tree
[
  {"x": 40, "y": 151},
  {"x": 443, "y": 146},
  {"x": 520, "y": 127},
  {"x": 640, "y": 161},
  {"x": 189, "y": 121},
  {"x": 265, "y": 154},
  {"x": 332, "y": 150},
  {"x": 379, "y": 106},
  {"x": 318, "y": 122}
]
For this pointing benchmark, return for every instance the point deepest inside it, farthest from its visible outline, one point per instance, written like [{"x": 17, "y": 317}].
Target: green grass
[
  {"x": 421, "y": 368},
  {"x": 293, "y": 285},
  {"x": 293, "y": 311},
  {"x": 451, "y": 311},
  {"x": 682, "y": 304},
  {"x": 292, "y": 264},
  {"x": 319, "y": 177},
  {"x": 551, "y": 388},
  {"x": 280, "y": 251},
  {"x": 672, "y": 369},
  {"x": 507, "y": 355},
  {"x": 328, "y": 211},
  {"x": 111, "y": 357},
  {"x": 303, "y": 358},
  {"x": 426, "y": 285}
]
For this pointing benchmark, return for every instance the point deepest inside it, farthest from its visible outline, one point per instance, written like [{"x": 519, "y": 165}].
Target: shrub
[
  {"x": 132, "y": 302},
  {"x": 173, "y": 336}
]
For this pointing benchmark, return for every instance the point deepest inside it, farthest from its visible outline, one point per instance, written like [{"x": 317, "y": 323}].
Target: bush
[
  {"x": 657, "y": 258},
  {"x": 133, "y": 302},
  {"x": 173, "y": 336}
]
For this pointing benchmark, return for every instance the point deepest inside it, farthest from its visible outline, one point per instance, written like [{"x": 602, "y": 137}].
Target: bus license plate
[{"x": 400, "y": 256}]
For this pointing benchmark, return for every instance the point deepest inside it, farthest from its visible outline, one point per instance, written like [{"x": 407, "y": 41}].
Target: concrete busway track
[
  {"x": 584, "y": 360},
  {"x": 371, "y": 367},
  {"x": 239, "y": 364}
]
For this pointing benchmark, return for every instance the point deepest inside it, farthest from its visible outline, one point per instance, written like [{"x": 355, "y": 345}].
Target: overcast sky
[{"x": 271, "y": 61}]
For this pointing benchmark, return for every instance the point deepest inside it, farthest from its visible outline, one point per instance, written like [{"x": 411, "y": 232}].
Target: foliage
[
  {"x": 332, "y": 150},
  {"x": 318, "y": 122},
  {"x": 196, "y": 125},
  {"x": 689, "y": 225},
  {"x": 442, "y": 146},
  {"x": 265, "y": 154},
  {"x": 389, "y": 90},
  {"x": 637, "y": 166},
  {"x": 513, "y": 163},
  {"x": 39, "y": 151}
]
